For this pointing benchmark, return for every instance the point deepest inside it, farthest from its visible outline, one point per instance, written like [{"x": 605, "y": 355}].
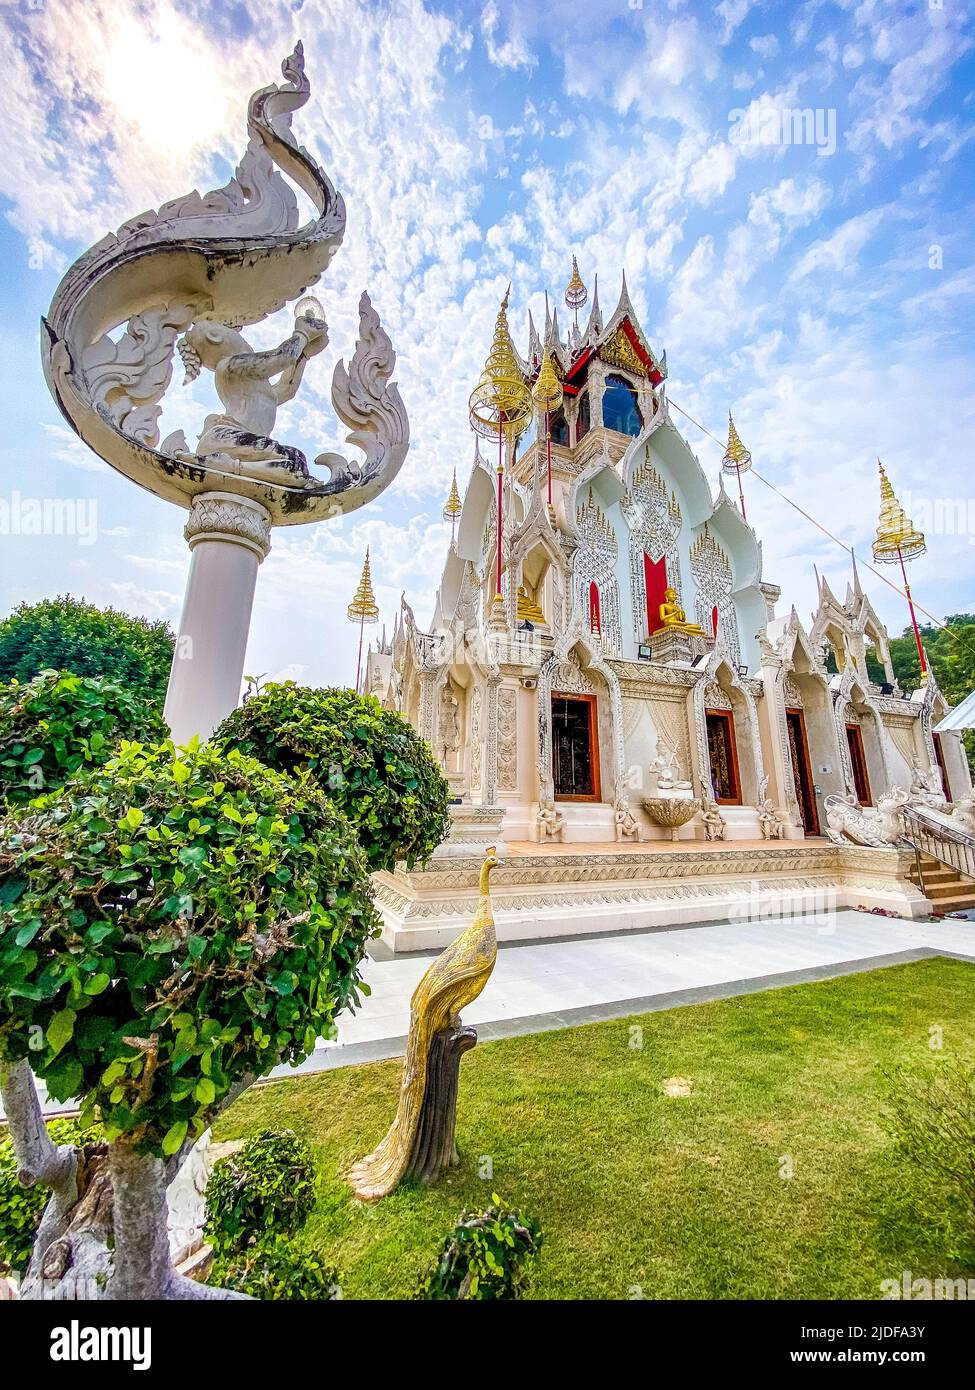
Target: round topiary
[
  {"x": 59, "y": 722},
  {"x": 276, "y": 1270},
  {"x": 181, "y": 919},
  {"x": 369, "y": 761},
  {"x": 267, "y": 1186}
]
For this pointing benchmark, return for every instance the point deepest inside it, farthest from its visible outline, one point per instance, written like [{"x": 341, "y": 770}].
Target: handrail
[{"x": 929, "y": 833}]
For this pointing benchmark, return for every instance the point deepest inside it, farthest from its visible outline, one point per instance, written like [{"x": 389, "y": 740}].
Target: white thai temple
[{"x": 636, "y": 656}]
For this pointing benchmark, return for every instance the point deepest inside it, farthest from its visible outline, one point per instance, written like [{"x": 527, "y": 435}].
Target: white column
[{"x": 228, "y": 536}]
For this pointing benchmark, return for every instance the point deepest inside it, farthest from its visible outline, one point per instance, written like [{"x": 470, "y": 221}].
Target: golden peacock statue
[{"x": 420, "y": 1141}]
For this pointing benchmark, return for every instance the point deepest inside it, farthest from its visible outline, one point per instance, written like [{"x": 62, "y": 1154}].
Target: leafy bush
[
  {"x": 58, "y": 723},
  {"x": 267, "y": 1187},
  {"x": 931, "y": 1115},
  {"x": 367, "y": 759},
  {"x": 276, "y": 1270},
  {"x": 21, "y": 1208},
  {"x": 180, "y": 919},
  {"x": 67, "y": 634},
  {"x": 486, "y": 1256}
]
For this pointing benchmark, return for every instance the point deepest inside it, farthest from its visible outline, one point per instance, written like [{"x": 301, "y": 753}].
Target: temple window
[
  {"x": 620, "y": 409},
  {"x": 582, "y": 417},
  {"x": 594, "y": 623},
  {"x": 559, "y": 427}
]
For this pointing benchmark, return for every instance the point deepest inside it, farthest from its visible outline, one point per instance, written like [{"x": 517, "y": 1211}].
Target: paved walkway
[{"x": 555, "y": 984}]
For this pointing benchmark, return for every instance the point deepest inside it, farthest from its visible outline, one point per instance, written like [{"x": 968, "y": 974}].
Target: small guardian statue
[
  {"x": 550, "y": 822},
  {"x": 627, "y": 826}
]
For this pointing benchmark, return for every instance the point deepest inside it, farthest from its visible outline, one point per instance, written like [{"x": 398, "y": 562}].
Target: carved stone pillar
[
  {"x": 490, "y": 795},
  {"x": 428, "y": 707},
  {"x": 228, "y": 537}
]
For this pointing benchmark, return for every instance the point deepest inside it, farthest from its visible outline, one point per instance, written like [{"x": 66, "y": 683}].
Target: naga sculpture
[
  {"x": 880, "y": 828},
  {"x": 188, "y": 279},
  {"x": 202, "y": 267},
  {"x": 420, "y": 1142}
]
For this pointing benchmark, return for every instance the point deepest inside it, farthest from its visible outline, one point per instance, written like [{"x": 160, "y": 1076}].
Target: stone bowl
[{"x": 671, "y": 812}]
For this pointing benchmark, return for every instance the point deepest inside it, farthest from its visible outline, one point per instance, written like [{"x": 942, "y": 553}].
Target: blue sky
[{"x": 822, "y": 290}]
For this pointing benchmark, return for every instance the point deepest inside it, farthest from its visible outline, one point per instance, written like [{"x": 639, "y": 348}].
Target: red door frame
[
  {"x": 858, "y": 759},
  {"x": 811, "y": 807},
  {"x": 590, "y": 700},
  {"x": 939, "y": 753},
  {"x": 729, "y": 722}
]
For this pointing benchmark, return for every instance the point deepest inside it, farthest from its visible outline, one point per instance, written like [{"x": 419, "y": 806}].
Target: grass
[{"x": 679, "y": 1197}]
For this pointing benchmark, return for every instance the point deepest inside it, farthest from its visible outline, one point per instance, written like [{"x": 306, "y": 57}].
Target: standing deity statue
[{"x": 448, "y": 733}]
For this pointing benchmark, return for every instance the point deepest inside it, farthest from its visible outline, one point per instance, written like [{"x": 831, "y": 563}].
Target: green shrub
[
  {"x": 367, "y": 759},
  {"x": 931, "y": 1115},
  {"x": 67, "y": 634},
  {"x": 486, "y": 1256},
  {"x": 60, "y": 722},
  {"x": 180, "y": 920},
  {"x": 21, "y": 1208},
  {"x": 276, "y": 1270},
  {"x": 266, "y": 1188}
]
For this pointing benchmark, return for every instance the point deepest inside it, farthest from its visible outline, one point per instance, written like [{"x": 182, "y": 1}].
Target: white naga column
[{"x": 228, "y": 536}]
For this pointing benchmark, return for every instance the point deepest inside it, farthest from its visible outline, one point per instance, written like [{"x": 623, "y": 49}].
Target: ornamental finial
[
  {"x": 897, "y": 537},
  {"x": 453, "y": 507},
  {"x": 736, "y": 459},
  {"x": 547, "y": 391},
  {"x": 500, "y": 401},
  {"x": 363, "y": 607},
  {"x": 576, "y": 294}
]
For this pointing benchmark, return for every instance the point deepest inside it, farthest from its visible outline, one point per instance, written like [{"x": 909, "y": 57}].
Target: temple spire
[
  {"x": 736, "y": 460},
  {"x": 897, "y": 540},
  {"x": 576, "y": 294},
  {"x": 363, "y": 609},
  {"x": 453, "y": 507}
]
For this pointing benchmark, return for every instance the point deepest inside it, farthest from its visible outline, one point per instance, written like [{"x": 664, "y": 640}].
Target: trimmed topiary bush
[
  {"x": 486, "y": 1256},
  {"x": 266, "y": 1188},
  {"x": 367, "y": 759},
  {"x": 68, "y": 634},
  {"x": 181, "y": 920},
  {"x": 59, "y": 723},
  {"x": 276, "y": 1270},
  {"x": 21, "y": 1207}
]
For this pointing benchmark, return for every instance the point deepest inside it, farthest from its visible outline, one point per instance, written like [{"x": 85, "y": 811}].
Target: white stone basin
[{"x": 671, "y": 812}]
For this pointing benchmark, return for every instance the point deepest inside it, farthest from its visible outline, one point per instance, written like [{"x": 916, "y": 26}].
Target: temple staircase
[{"x": 944, "y": 860}]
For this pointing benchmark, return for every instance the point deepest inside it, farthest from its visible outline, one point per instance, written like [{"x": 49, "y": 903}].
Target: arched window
[
  {"x": 620, "y": 410},
  {"x": 582, "y": 417},
  {"x": 594, "y": 608},
  {"x": 559, "y": 427}
]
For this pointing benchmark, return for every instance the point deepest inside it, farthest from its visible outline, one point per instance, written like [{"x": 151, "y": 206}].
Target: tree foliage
[
  {"x": 951, "y": 653},
  {"x": 68, "y": 634},
  {"x": 58, "y": 722},
  {"x": 276, "y": 1269},
  {"x": 176, "y": 920},
  {"x": 367, "y": 759}
]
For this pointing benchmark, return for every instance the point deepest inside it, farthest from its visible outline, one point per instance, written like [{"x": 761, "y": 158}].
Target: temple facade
[{"x": 630, "y": 653}]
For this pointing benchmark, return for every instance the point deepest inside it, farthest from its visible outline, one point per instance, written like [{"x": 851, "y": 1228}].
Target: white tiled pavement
[{"x": 550, "y": 977}]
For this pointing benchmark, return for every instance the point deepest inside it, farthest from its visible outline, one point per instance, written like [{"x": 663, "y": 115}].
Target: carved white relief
[
  {"x": 507, "y": 739},
  {"x": 594, "y": 562}
]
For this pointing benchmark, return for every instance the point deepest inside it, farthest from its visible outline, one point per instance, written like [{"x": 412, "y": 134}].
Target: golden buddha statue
[
  {"x": 673, "y": 616},
  {"x": 528, "y": 609}
]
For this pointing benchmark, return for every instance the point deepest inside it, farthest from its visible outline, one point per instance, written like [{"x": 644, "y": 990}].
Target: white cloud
[
  {"x": 765, "y": 45},
  {"x": 512, "y": 52},
  {"x": 840, "y": 251}
]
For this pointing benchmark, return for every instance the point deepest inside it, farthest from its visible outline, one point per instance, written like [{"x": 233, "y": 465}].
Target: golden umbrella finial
[
  {"x": 500, "y": 404},
  {"x": 453, "y": 507},
  {"x": 736, "y": 459},
  {"x": 576, "y": 294},
  {"x": 898, "y": 539},
  {"x": 548, "y": 395},
  {"x": 363, "y": 609}
]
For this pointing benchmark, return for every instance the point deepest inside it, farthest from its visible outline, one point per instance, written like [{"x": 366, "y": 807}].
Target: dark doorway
[
  {"x": 575, "y": 748},
  {"x": 939, "y": 753},
  {"x": 861, "y": 782},
  {"x": 802, "y": 771},
  {"x": 725, "y": 781}
]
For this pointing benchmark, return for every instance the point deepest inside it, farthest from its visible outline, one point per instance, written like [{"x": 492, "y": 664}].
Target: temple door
[
  {"x": 939, "y": 754},
  {"x": 861, "y": 781},
  {"x": 575, "y": 748},
  {"x": 802, "y": 770},
  {"x": 723, "y": 756}
]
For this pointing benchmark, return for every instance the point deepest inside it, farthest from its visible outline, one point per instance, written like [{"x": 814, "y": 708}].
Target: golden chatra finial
[
  {"x": 453, "y": 506},
  {"x": 547, "y": 392},
  {"x": 736, "y": 459},
  {"x": 897, "y": 537},
  {"x": 501, "y": 400},
  {"x": 363, "y": 608},
  {"x": 576, "y": 294}
]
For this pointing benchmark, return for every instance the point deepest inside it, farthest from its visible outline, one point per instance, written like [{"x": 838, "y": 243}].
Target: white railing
[{"x": 928, "y": 832}]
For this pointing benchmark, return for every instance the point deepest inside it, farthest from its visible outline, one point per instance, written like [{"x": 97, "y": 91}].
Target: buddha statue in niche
[{"x": 672, "y": 616}]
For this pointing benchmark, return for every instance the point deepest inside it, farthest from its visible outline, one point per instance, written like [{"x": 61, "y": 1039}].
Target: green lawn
[{"x": 680, "y": 1196}]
